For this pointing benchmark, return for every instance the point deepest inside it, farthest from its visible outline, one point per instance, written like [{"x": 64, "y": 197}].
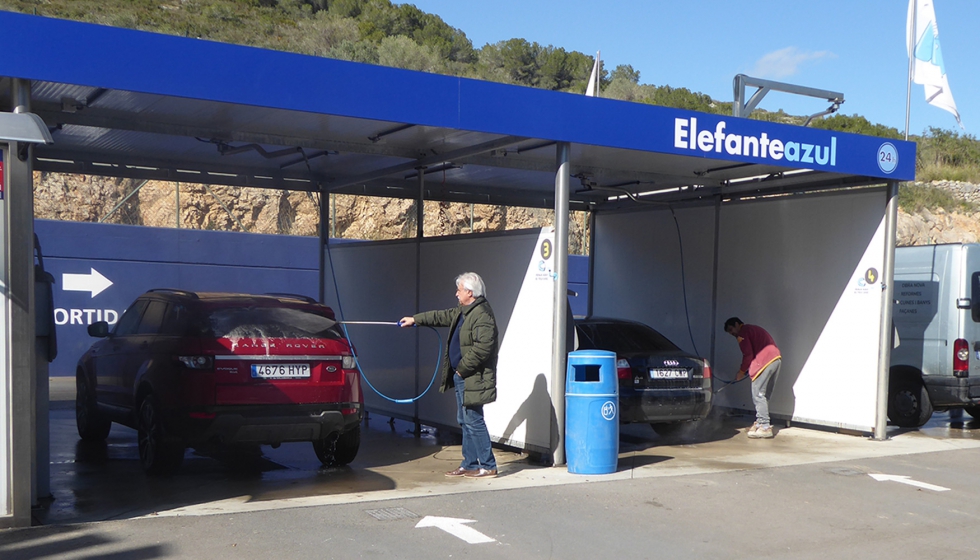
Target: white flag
[
  {"x": 592, "y": 90},
  {"x": 922, "y": 42}
]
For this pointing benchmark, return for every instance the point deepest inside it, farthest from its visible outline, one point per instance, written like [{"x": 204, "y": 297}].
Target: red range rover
[{"x": 192, "y": 369}]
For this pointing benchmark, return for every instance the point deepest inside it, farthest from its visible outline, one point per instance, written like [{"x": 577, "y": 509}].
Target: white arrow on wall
[
  {"x": 93, "y": 282},
  {"x": 455, "y": 528}
]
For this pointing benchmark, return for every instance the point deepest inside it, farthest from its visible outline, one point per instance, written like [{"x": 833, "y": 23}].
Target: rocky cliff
[{"x": 85, "y": 198}]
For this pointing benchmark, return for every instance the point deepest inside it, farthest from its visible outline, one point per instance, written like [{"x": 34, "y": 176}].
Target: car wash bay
[{"x": 696, "y": 217}]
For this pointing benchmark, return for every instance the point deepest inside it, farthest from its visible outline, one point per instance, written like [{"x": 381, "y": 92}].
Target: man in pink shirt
[{"x": 760, "y": 361}]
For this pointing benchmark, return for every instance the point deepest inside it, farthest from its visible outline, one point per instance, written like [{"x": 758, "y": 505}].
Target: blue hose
[{"x": 357, "y": 362}]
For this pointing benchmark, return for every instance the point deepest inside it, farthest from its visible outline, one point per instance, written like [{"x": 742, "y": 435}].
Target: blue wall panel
[{"x": 135, "y": 259}]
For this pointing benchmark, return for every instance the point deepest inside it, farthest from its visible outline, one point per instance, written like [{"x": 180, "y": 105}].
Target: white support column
[
  {"x": 419, "y": 234},
  {"x": 887, "y": 326},
  {"x": 559, "y": 350},
  {"x": 17, "y": 412}
]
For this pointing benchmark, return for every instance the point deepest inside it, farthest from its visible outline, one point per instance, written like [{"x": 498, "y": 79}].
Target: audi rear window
[
  {"x": 267, "y": 322},
  {"x": 622, "y": 338}
]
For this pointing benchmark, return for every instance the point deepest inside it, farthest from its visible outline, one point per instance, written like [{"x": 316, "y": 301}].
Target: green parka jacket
[{"x": 478, "y": 343}]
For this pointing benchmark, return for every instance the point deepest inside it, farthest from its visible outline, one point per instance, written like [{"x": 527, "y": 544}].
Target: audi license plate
[
  {"x": 280, "y": 371},
  {"x": 668, "y": 373}
]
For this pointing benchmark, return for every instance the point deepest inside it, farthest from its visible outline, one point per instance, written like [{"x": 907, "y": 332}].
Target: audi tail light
[
  {"x": 707, "y": 370},
  {"x": 961, "y": 358},
  {"x": 623, "y": 369}
]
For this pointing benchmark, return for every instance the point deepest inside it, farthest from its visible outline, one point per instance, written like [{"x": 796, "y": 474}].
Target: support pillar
[
  {"x": 559, "y": 350},
  {"x": 17, "y": 381},
  {"x": 887, "y": 327}
]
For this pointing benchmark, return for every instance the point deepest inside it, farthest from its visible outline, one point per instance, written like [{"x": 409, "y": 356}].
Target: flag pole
[
  {"x": 598, "y": 74},
  {"x": 910, "y": 32}
]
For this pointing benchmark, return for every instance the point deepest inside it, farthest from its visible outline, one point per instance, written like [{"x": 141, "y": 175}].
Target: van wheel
[
  {"x": 91, "y": 425},
  {"x": 908, "y": 403},
  {"x": 159, "y": 454},
  {"x": 973, "y": 411}
]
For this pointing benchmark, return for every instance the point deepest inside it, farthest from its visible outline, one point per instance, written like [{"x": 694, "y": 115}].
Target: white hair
[{"x": 472, "y": 282}]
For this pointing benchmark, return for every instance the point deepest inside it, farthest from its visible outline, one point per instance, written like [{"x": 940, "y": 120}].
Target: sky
[{"x": 855, "y": 47}]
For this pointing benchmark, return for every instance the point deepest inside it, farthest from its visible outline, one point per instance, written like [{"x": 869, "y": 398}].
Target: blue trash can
[{"x": 591, "y": 412}]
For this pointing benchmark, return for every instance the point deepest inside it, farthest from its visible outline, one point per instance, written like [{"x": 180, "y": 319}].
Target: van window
[{"x": 975, "y": 296}]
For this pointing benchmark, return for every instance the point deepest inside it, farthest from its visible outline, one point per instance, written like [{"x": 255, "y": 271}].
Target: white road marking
[
  {"x": 456, "y": 528},
  {"x": 907, "y": 480}
]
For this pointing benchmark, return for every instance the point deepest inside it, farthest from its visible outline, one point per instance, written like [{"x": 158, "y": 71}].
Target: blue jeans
[{"x": 477, "y": 453}]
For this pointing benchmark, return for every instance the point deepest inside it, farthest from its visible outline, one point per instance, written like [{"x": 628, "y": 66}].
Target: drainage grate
[
  {"x": 843, "y": 471},
  {"x": 389, "y": 514}
]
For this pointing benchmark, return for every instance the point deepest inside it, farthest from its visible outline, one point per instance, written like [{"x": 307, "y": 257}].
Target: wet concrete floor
[{"x": 105, "y": 481}]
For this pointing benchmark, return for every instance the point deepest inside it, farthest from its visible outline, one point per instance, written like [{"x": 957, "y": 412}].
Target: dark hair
[{"x": 732, "y": 322}]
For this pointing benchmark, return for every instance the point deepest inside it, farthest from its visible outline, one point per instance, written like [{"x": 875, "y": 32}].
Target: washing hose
[
  {"x": 357, "y": 362},
  {"x": 729, "y": 383},
  {"x": 343, "y": 325}
]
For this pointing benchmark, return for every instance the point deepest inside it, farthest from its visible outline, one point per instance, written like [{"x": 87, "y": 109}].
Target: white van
[{"x": 936, "y": 363}]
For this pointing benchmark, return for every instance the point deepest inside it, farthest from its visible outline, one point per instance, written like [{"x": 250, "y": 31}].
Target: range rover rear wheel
[
  {"x": 908, "y": 402},
  {"x": 341, "y": 451}
]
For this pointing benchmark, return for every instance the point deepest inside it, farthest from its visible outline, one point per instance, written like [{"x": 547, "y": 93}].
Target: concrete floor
[{"x": 105, "y": 481}]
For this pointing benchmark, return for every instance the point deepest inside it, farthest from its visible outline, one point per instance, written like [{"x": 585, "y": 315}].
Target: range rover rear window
[{"x": 267, "y": 322}]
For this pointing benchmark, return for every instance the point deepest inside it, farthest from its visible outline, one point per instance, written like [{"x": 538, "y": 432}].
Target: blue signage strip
[{"x": 192, "y": 68}]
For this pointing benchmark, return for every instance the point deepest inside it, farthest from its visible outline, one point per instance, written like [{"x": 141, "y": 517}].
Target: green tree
[
  {"x": 856, "y": 124},
  {"x": 401, "y": 52}
]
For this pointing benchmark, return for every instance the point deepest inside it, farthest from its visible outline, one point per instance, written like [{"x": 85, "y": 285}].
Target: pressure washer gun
[{"x": 729, "y": 383}]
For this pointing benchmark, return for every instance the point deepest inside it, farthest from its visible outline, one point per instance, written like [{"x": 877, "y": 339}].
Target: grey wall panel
[
  {"x": 638, "y": 271},
  {"x": 508, "y": 264},
  {"x": 376, "y": 282},
  {"x": 795, "y": 267}
]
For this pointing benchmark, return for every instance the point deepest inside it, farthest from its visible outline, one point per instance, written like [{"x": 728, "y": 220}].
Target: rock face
[
  {"x": 939, "y": 226},
  {"x": 84, "y": 198}
]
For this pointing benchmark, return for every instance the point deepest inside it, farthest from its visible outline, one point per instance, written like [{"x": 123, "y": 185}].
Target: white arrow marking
[
  {"x": 93, "y": 282},
  {"x": 907, "y": 480},
  {"x": 455, "y": 528}
]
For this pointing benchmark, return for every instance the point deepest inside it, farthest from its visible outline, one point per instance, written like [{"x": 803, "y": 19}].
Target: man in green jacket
[{"x": 469, "y": 365}]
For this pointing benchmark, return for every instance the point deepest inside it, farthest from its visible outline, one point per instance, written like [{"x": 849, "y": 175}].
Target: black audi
[{"x": 658, "y": 382}]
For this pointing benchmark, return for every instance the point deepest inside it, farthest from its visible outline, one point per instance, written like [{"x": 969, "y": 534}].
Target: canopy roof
[{"x": 136, "y": 104}]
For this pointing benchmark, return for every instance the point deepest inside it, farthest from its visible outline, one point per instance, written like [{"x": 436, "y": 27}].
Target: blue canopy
[{"x": 137, "y": 104}]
